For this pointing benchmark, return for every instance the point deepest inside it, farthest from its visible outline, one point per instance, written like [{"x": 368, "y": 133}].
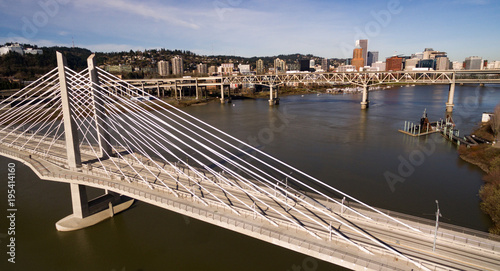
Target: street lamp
[{"x": 438, "y": 214}]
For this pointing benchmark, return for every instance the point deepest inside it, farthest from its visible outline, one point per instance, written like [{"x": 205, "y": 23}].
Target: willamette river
[{"x": 327, "y": 136}]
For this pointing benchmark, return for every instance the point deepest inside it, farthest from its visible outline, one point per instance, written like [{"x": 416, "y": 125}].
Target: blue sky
[{"x": 259, "y": 27}]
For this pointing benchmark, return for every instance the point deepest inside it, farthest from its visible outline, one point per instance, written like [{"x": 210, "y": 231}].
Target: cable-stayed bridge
[{"x": 86, "y": 129}]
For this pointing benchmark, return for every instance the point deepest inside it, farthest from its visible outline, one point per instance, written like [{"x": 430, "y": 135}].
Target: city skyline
[{"x": 257, "y": 28}]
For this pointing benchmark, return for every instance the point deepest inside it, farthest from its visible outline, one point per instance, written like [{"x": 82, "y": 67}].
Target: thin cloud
[
  {"x": 110, "y": 47},
  {"x": 473, "y": 2},
  {"x": 152, "y": 11}
]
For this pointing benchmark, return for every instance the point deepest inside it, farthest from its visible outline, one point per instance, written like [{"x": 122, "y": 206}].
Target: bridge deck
[{"x": 455, "y": 250}]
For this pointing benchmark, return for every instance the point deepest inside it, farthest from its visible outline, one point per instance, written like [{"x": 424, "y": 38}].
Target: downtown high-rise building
[
  {"x": 324, "y": 65},
  {"x": 177, "y": 65},
  {"x": 260, "y": 66},
  {"x": 279, "y": 65},
  {"x": 372, "y": 58},
  {"x": 363, "y": 44},
  {"x": 163, "y": 68},
  {"x": 202, "y": 68},
  {"x": 357, "y": 58},
  {"x": 473, "y": 63}
]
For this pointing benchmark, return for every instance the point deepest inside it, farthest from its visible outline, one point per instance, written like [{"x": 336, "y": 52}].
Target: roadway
[{"x": 224, "y": 198}]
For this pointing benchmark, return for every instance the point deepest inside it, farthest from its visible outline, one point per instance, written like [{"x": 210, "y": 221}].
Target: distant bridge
[
  {"x": 95, "y": 135},
  {"x": 361, "y": 79}
]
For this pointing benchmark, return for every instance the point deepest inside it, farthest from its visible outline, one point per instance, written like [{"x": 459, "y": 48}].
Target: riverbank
[{"x": 487, "y": 158}]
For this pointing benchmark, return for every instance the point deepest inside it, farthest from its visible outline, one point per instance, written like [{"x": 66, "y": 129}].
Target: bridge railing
[
  {"x": 446, "y": 231},
  {"x": 291, "y": 241}
]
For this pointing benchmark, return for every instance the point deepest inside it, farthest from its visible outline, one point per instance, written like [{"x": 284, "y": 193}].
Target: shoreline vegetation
[{"x": 486, "y": 157}]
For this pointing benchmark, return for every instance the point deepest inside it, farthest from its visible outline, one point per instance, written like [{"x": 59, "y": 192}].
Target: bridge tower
[
  {"x": 70, "y": 127},
  {"x": 85, "y": 212},
  {"x": 98, "y": 107},
  {"x": 78, "y": 192}
]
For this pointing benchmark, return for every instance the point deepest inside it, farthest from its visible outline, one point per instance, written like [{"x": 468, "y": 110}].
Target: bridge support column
[
  {"x": 273, "y": 99},
  {"x": 222, "y": 100},
  {"x": 451, "y": 94},
  {"x": 79, "y": 200},
  {"x": 197, "y": 95},
  {"x": 175, "y": 90},
  {"x": 70, "y": 128},
  {"x": 365, "y": 102}
]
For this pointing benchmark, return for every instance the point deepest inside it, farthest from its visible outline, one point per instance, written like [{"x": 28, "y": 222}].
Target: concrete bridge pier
[
  {"x": 451, "y": 94},
  {"x": 88, "y": 213},
  {"x": 222, "y": 98},
  {"x": 79, "y": 200},
  {"x": 365, "y": 102},
  {"x": 175, "y": 89},
  {"x": 197, "y": 95},
  {"x": 273, "y": 99}
]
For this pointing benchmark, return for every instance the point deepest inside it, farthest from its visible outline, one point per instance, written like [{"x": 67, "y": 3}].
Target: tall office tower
[
  {"x": 364, "y": 45},
  {"x": 372, "y": 58},
  {"x": 473, "y": 63},
  {"x": 163, "y": 68},
  {"x": 357, "y": 58},
  {"x": 324, "y": 65},
  {"x": 202, "y": 68},
  {"x": 177, "y": 65},
  {"x": 260, "y": 66},
  {"x": 312, "y": 63}
]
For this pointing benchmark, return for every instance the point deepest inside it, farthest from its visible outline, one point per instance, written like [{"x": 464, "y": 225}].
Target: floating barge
[
  {"x": 445, "y": 127},
  {"x": 425, "y": 127}
]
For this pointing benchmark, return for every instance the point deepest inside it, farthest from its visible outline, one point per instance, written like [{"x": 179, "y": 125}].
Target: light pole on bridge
[{"x": 438, "y": 214}]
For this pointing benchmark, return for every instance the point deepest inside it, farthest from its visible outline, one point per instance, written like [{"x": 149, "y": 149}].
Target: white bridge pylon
[{"x": 159, "y": 145}]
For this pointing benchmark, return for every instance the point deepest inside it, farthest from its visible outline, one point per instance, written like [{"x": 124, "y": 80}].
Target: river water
[{"x": 326, "y": 136}]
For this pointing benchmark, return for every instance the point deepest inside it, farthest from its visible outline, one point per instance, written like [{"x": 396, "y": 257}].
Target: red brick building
[{"x": 394, "y": 63}]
